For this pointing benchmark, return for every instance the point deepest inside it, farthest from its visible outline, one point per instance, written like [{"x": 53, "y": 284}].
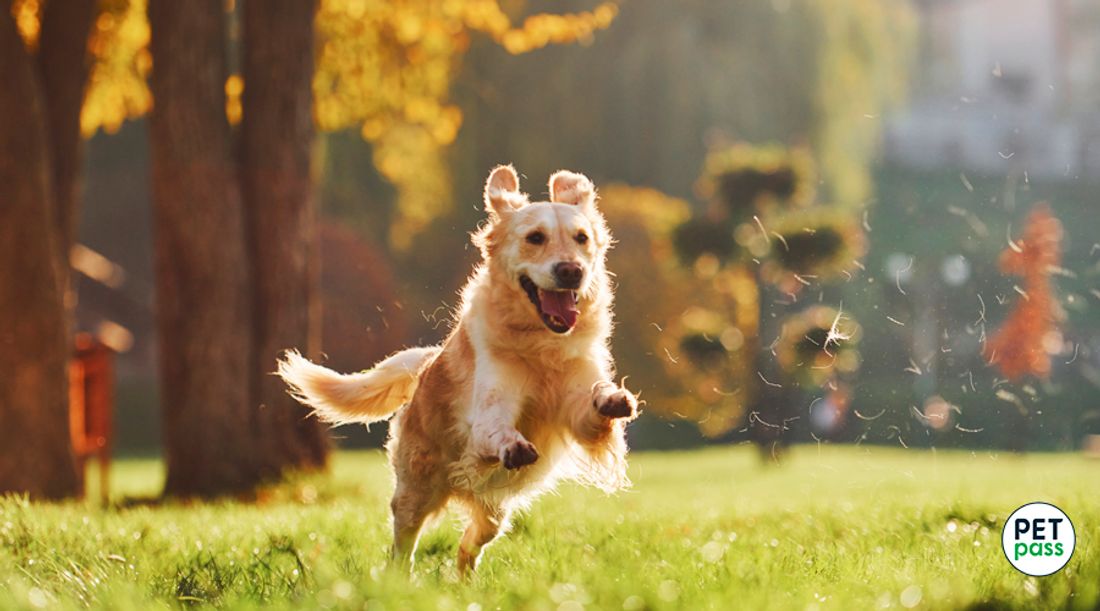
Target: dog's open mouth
[{"x": 558, "y": 309}]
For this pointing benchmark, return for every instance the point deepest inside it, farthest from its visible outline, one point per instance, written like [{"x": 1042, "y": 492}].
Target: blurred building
[{"x": 1003, "y": 85}]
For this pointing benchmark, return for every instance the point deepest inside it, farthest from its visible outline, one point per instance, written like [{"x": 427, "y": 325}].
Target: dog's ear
[
  {"x": 572, "y": 188},
  {"x": 502, "y": 196}
]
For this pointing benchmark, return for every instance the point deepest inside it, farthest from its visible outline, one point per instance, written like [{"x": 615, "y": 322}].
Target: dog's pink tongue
[{"x": 561, "y": 304}]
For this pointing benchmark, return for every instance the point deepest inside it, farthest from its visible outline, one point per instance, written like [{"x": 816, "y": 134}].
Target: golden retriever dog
[{"x": 521, "y": 393}]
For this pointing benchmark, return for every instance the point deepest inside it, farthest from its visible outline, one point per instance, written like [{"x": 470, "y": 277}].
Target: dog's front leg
[
  {"x": 598, "y": 411},
  {"x": 597, "y": 404},
  {"x": 496, "y": 409},
  {"x": 614, "y": 401}
]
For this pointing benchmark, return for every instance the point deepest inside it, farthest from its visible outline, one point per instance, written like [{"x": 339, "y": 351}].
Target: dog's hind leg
[
  {"x": 412, "y": 503},
  {"x": 485, "y": 524}
]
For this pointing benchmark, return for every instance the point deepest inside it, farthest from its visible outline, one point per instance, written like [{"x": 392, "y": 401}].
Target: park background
[
  {"x": 857, "y": 237},
  {"x": 928, "y": 128}
]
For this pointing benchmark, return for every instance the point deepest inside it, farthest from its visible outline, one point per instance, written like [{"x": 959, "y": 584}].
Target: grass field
[{"x": 832, "y": 528}]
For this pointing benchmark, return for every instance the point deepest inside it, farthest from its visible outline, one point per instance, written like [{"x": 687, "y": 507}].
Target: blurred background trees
[
  {"x": 788, "y": 177},
  {"x": 235, "y": 243},
  {"x": 757, "y": 246},
  {"x": 387, "y": 69}
]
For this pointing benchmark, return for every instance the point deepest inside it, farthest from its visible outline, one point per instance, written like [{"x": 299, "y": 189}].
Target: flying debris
[
  {"x": 904, "y": 270},
  {"x": 966, "y": 182},
  {"x": 772, "y": 384},
  {"x": 1076, "y": 348},
  {"x": 835, "y": 336}
]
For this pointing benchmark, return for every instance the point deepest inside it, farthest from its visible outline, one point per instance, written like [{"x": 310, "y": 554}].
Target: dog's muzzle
[{"x": 557, "y": 308}]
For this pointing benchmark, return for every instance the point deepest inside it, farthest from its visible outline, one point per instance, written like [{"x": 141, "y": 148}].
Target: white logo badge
[{"x": 1038, "y": 539}]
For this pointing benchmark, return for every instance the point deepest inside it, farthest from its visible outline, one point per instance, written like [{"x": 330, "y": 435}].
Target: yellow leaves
[
  {"x": 234, "y": 87},
  {"x": 709, "y": 343},
  {"x": 659, "y": 213},
  {"x": 409, "y": 157},
  {"x": 480, "y": 15},
  {"x": 421, "y": 110},
  {"x": 409, "y": 28},
  {"x": 538, "y": 30},
  {"x": 541, "y": 30},
  {"x": 702, "y": 325},
  {"x": 386, "y": 67},
  {"x": 749, "y": 178},
  {"x": 118, "y": 44},
  {"x": 354, "y": 9},
  {"x": 446, "y": 128},
  {"x": 117, "y": 86},
  {"x": 372, "y": 129},
  {"x": 383, "y": 66},
  {"x": 386, "y": 63},
  {"x": 28, "y": 15}
]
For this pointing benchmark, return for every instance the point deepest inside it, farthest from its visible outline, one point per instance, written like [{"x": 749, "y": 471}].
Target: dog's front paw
[
  {"x": 619, "y": 403},
  {"x": 520, "y": 454}
]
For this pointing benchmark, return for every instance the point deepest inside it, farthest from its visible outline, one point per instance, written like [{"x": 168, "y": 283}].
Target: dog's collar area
[{"x": 557, "y": 309}]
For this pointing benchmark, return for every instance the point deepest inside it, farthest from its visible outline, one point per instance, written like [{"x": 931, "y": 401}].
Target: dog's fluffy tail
[{"x": 367, "y": 396}]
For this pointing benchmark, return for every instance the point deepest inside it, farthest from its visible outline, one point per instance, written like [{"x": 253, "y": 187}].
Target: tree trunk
[
  {"x": 203, "y": 303},
  {"x": 276, "y": 141},
  {"x": 772, "y": 405},
  {"x": 36, "y": 456},
  {"x": 64, "y": 64}
]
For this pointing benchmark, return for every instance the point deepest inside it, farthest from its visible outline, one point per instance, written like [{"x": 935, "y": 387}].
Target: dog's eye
[
  {"x": 581, "y": 238},
  {"x": 536, "y": 237}
]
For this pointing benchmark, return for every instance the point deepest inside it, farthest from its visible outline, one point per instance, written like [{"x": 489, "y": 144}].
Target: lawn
[{"x": 832, "y": 528}]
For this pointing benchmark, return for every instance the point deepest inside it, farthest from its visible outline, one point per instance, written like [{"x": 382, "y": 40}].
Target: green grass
[{"x": 832, "y": 528}]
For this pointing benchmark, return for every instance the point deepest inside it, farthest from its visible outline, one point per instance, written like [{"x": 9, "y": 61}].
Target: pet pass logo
[{"x": 1038, "y": 539}]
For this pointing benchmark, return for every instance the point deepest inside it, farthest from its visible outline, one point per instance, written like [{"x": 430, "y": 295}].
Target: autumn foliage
[{"x": 1021, "y": 347}]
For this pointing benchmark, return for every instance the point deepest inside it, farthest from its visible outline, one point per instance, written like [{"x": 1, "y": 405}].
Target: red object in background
[
  {"x": 1020, "y": 347},
  {"x": 91, "y": 403}
]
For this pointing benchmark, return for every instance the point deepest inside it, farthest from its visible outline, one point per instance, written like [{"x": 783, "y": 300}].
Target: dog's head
[{"x": 552, "y": 251}]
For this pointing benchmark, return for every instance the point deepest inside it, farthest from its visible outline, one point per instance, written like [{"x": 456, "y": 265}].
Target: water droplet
[
  {"x": 712, "y": 552},
  {"x": 668, "y": 591},
  {"x": 911, "y": 596}
]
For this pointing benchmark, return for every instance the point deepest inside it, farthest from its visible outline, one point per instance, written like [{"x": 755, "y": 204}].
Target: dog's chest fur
[{"x": 548, "y": 391}]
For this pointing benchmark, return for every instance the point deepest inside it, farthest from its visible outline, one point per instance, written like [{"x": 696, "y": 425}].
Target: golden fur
[{"x": 521, "y": 393}]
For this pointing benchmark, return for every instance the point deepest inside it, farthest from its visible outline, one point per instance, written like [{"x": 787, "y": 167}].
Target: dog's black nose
[{"x": 569, "y": 274}]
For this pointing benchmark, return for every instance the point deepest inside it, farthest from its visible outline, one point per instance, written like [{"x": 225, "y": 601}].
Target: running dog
[{"x": 520, "y": 395}]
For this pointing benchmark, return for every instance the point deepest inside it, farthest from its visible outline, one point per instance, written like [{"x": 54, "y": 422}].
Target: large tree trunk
[
  {"x": 276, "y": 141},
  {"x": 35, "y": 451},
  {"x": 64, "y": 64},
  {"x": 203, "y": 302}
]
